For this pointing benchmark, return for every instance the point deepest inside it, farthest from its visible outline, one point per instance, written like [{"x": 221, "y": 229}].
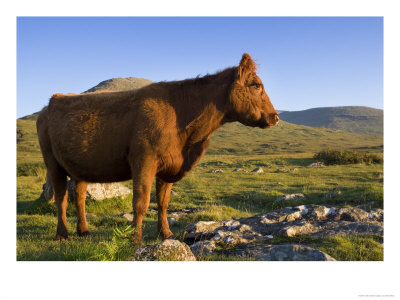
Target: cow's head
[{"x": 250, "y": 103}]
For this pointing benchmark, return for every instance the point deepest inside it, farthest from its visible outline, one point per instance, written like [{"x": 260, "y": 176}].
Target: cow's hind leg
[
  {"x": 143, "y": 175},
  {"x": 163, "y": 192},
  {"x": 80, "y": 197},
  {"x": 58, "y": 178}
]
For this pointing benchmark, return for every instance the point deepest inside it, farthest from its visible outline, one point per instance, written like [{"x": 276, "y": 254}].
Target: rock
[
  {"x": 201, "y": 230},
  {"x": 321, "y": 212},
  {"x": 167, "y": 250},
  {"x": 293, "y": 170},
  {"x": 239, "y": 170},
  {"x": 258, "y": 170},
  {"x": 317, "y": 164},
  {"x": 376, "y": 214},
  {"x": 345, "y": 228},
  {"x": 351, "y": 214},
  {"x": 298, "y": 229},
  {"x": 128, "y": 216},
  {"x": 306, "y": 220},
  {"x": 216, "y": 171},
  {"x": 100, "y": 191},
  {"x": 171, "y": 221},
  {"x": 95, "y": 191},
  {"x": 173, "y": 193},
  {"x": 290, "y": 197},
  {"x": 285, "y": 252},
  {"x": 203, "y": 248}
]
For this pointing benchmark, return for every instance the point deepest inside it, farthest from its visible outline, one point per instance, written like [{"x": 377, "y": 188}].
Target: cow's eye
[{"x": 256, "y": 85}]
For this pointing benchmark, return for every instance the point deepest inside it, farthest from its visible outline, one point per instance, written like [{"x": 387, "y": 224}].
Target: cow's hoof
[
  {"x": 84, "y": 233},
  {"x": 61, "y": 238}
]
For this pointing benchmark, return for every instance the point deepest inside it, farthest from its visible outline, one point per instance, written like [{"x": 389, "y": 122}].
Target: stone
[
  {"x": 284, "y": 252},
  {"x": 128, "y": 216},
  {"x": 317, "y": 164},
  {"x": 216, "y": 171},
  {"x": 167, "y": 250},
  {"x": 201, "y": 230},
  {"x": 258, "y": 170},
  {"x": 203, "y": 248},
  {"x": 306, "y": 220},
  {"x": 171, "y": 221},
  {"x": 298, "y": 229},
  {"x": 290, "y": 197},
  {"x": 352, "y": 214},
  {"x": 322, "y": 212},
  {"x": 95, "y": 191},
  {"x": 173, "y": 193},
  {"x": 239, "y": 170}
]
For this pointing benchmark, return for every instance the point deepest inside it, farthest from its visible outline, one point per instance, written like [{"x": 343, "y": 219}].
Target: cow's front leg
[
  {"x": 163, "y": 192},
  {"x": 143, "y": 176}
]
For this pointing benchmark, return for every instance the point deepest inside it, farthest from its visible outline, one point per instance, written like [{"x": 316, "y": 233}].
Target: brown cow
[{"x": 161, "y": 130}]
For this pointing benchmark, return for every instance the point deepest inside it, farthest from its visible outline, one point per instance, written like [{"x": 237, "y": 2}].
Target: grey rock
[
  {"x": 128, "y": 216},
  {"x": 354, "y": 214},
  {"x": 311, "y": 220},
  {"x": 298, "y": 229},
  {"x": 258, "y": 170},
  {"x": 171, "y": 221},
  {"x": 173, "y": 193},
  {"x": 167, "y": 250},
  {"x": 285, "y": 252},
  {"x": 290, "y": 197},
  {"x": 95, "y": 191},
  {"x": 239, "y": 170},
  {"x": 203, "y": 248},
  {"x": 317, "y": 164},
  {"x": 216, "y": 171}
]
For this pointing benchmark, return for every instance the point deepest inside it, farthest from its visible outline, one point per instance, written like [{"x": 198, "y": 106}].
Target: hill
[
  {"x": 356, "y": 119},
  {"x": 120, "y": 84}
]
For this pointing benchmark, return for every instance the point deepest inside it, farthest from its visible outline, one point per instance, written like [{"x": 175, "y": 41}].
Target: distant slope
[
  {"x": 120, "y": 84},
  {"x": 356, "y": 119},
  {"x": 237, "y": 139}
]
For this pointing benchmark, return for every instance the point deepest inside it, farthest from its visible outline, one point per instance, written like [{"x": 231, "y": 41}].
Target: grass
[{"x": 223, "y": 195}]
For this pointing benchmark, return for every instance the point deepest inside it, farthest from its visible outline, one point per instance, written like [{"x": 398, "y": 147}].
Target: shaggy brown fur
[{"x": 160, "y": 130}]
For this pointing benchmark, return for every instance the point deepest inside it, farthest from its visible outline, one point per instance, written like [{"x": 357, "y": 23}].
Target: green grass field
[{"x": 284, "y": 153}]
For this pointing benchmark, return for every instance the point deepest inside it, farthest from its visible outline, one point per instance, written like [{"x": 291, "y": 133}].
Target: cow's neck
[{"x": 207, "y": 113}]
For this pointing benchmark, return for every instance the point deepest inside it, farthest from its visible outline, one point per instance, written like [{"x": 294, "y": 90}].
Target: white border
[{"x": 251, "y": 280}]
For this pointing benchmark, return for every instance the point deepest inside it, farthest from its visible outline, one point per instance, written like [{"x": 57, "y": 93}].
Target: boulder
[
  {"x": 167, "y": 250},
  {"x": 95, "y": 191}
]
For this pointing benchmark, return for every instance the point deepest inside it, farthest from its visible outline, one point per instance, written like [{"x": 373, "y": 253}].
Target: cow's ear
[{"x": 246, "y": 66}]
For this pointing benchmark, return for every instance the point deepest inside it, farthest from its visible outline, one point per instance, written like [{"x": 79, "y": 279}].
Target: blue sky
[{"x": 303, "y": 62}]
